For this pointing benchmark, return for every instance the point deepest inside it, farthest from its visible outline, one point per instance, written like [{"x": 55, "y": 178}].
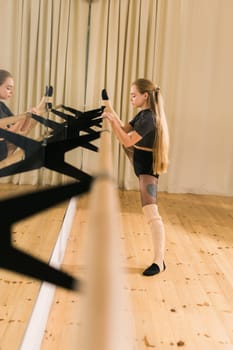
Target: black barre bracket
[{"x": 20, "y": 207}]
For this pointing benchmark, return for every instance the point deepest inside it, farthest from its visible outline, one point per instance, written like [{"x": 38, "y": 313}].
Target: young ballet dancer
[
  {"x": 22, "y": 126},
  {"x": 147, "y": 134}
]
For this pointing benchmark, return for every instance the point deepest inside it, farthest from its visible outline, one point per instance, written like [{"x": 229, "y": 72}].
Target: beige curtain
[
  {"x": 183, "y": 45},
  {"x": 122, "y": 43},
  {"x": 46, "y": 44},
  {"x": 196, "y": 75}
]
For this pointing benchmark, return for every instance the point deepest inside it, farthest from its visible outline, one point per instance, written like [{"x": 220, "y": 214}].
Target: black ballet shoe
[
  {"x": 105, "y": 95},
  {"x": 153, "y": 270}
]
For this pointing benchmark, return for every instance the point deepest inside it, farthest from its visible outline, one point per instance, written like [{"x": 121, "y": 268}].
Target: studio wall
[{"x": 81, "y": 46}]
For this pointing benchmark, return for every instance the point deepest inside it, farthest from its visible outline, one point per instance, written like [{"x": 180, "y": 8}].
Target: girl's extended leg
[{"x": 148, "y": 191}]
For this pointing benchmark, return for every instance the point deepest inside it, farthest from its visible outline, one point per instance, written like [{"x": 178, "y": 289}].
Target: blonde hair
[{"x": 161, "y": 145}]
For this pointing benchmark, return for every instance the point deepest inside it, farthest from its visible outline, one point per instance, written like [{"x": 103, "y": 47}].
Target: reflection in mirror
[
  {"x": 32, "y": 60},
  {"x": 16, "y": 144},
  {"x": 51, "y": 46},
  {"x": 13, "y": 127},
  {"x": 36, "y": 235}
]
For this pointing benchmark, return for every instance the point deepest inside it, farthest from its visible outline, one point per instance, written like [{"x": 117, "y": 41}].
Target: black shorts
[{"x": 143, "y": 163}]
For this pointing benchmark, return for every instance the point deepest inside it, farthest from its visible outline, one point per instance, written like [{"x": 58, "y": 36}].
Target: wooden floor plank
[
  {"x": 189, "y": 306},
  {"x": 36, "y": 235}
]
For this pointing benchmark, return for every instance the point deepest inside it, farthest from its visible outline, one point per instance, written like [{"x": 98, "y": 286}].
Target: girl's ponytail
[{"x": 161, "y": 146}]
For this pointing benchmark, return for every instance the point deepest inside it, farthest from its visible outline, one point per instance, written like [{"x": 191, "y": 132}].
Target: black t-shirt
[
  {"x": 4, "y": 112},
  {"x": 144, "y": 124}
]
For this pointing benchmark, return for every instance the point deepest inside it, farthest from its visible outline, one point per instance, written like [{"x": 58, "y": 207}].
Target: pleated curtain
[{"x": 81, "y": 47}]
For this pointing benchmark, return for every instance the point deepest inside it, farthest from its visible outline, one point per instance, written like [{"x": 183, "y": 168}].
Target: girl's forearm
[
  {"x": 121, "y": 135},
  {"x": 126, "y": 136}
]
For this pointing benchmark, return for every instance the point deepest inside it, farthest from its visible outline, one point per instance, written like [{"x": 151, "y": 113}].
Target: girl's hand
[
  {"x": 16, "y": 127},
  {"x": 34, "y": 110},
  {"x": 110, "y": 117}
]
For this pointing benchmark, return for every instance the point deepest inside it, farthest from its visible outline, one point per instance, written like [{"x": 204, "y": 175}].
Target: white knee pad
[
  {"x": 151, "y": 212},
  {"x": 158, "y": 233}
]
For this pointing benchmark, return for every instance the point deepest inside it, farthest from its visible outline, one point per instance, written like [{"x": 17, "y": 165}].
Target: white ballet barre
[{"x": 107, "y": 325}]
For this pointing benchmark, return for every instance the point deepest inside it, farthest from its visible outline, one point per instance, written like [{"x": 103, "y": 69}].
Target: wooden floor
[
  {"x": 36, "y": 235},
  {"x": 190, "y": 305}
]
